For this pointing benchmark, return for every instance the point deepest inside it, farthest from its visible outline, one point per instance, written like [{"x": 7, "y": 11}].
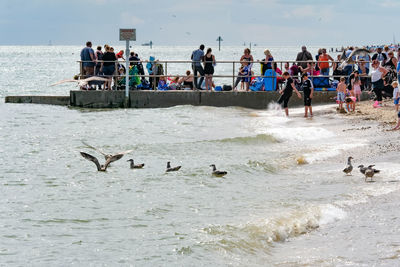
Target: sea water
[{"x": 56, "y": 209}]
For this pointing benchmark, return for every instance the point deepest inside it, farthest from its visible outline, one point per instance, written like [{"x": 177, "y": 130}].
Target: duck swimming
[
  {"x": 137, "y": 166},
  {"x": 349, "y": 167},
  {"x": 217, "y": 173},
  {"x": 169, "y": 169},
  {"x": 101, "y": 168}
]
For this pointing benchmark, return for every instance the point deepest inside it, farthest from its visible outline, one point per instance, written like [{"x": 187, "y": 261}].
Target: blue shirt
[
  {"x": 197, "y": 56},
  {"x": 85, "y": 56}
]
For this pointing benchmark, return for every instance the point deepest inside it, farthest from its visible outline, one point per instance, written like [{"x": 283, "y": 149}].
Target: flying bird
[
  {"x": 349, "y": 60},
  {"x": 81, "y": 82},
  {"x": 107, "y": 156},
  {"x": 137, "y": 166},
  {"x": 217, "y": 173},
  {"x": 101, "y": 168},
  {"x": 349, "y": 167},
  {"x": 172, "y": 169}
]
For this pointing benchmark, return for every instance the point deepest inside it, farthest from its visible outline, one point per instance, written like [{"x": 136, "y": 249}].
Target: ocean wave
[
  {"x": 260, "y": 235},
  {"x": 260, "y": 138}
]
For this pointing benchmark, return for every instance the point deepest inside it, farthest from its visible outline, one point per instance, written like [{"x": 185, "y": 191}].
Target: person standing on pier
[
  {"x": 303, "y": 56},
  {"x": 209, "y": 62},
  {"x": 197, "y": 58},
  {"x": 88, "y": 60}
]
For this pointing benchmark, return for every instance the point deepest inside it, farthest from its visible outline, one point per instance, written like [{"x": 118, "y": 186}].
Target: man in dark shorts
[
  {"x": 286, "y": 93},
  {"x": 308, "y": 91}
]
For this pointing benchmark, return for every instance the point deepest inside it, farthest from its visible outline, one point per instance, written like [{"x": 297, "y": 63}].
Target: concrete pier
[
  {"x": 38, "y": 99},
  {"x": 163, "y": 99}
]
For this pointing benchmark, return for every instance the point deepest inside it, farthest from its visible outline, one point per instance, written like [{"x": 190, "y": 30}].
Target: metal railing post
[{"x": 233, "y": 75}]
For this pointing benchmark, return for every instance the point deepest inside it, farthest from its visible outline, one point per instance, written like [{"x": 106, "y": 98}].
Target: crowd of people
[{"x": 376, "y": 73}]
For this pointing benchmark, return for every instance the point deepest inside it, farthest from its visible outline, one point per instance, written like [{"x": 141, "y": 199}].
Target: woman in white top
[{"x": 377, "y": 73}]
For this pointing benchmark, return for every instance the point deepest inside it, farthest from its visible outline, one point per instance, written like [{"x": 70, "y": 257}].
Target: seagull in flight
[
  {"x": 106, "y": 155},
  {"x": 81, "y": 82}
]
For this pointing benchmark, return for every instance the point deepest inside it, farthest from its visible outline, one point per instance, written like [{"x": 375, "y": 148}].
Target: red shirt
[{"x": 120, "y": 54}]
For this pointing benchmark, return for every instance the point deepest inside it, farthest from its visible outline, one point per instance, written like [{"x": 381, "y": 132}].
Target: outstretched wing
[
  {"x": 359, "y": 52},
  {"x": 92, "y": 147},
  {"x": 112, "y": 159},
  {"x": 91, "y": 158},
  {"x": 124, "y": 152},
  {"x": 64, "y": 81},
  {"x": 94, "y": 78}
]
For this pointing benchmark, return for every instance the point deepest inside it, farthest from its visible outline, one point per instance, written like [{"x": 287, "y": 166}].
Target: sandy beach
[{"x": 385, "y": 115}]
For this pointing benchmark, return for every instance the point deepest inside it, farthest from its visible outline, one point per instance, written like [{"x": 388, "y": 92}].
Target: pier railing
[{"x": 234, "y": 69}]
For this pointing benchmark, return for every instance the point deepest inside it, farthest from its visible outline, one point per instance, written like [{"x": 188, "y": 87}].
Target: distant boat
[{"x": 50, "y": 44}]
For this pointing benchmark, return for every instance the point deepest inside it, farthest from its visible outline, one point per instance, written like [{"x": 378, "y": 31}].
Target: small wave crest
[
  {"x": 260, "y": 138},
  {"x": 259, "y": 235}
]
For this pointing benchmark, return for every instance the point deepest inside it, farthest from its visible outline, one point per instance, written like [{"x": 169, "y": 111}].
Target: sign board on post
[{"x": 127, "y": 34}]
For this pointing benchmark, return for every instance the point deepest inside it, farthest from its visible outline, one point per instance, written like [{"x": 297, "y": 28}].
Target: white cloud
[
  {"x": 389, "y": 3},
  {"x": 127, "y": 19}
]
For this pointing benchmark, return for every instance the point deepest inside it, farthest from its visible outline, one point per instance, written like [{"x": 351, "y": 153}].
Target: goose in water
[
  {"x": 169, "y": 169},
  {"x": 349, "y": 59},
  {"x": 81, "y": 82},
  {"x": 101, "y": 168},
  {"x": 349, "y": 167},
  {"x": 217, "y": 173},
  {"x": 137, "y": 166},
  {"x": 107, "y": 156}
]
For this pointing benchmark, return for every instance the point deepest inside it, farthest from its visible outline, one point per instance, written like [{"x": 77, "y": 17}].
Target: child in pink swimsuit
[{"x": 356, "y": 82}]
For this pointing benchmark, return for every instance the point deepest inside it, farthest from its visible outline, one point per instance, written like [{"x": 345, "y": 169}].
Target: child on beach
[
  {"x": 356, "y": 85},
  {"x": 396, "y": 95},
  {"x": 308, "y": 90},
  {"x": 286, "y": 93},
  {"x": 341, "y": 92}
]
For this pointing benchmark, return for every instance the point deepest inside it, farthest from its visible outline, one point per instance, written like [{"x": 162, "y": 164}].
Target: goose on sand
[
  {"x": 101, "y": 168},
  {"x": 137, "y": 166},
  {"x": 217, "y": 173},
  {"x": 169, "y": 169},
  {"x": 349, "y": 167},
  {"x": 363, "y": 169},
  {"x": 369, "y": 173}
]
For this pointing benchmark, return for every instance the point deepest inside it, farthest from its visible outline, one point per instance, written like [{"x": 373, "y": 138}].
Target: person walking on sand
[
  {"x": 377, "y": 74},
  {"x": 286, "y": 93},
  {"x": 308, "y": 91},
  {"x": 341, "y": 92},
  {"x": 197, "y": 58},
  {"x": 396, "y": 95}
]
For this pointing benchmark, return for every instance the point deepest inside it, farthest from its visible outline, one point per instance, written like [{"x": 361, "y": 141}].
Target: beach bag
[{"x": 227, "y": 88}]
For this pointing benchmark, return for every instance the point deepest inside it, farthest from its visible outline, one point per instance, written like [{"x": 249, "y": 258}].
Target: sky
[{"x": 187, "y": 22}]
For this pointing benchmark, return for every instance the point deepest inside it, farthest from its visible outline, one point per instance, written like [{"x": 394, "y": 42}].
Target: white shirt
[{"x": 395, "y": 92}]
